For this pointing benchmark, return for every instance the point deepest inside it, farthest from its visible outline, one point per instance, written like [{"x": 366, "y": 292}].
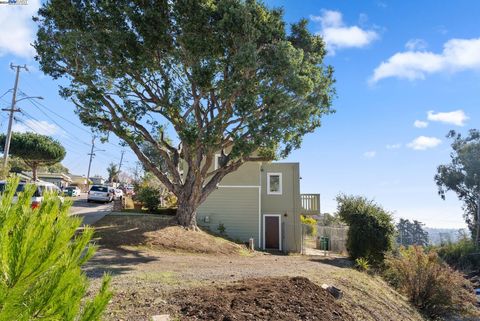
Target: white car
[
  {"x": 72, "y": 191},
  {"x": 100, "y": 193},
  {"x": 118, "y": 194},
  {"x": 37, "y": 198}
]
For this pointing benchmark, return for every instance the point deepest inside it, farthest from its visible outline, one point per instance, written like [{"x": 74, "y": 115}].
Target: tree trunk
[
  {"x": 34, "y": 172},
  {"x": 187, "y": 215}
]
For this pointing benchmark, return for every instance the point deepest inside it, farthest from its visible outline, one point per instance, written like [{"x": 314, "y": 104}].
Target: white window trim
[
  {"x": 216, "y": 157},
  {"x": 280, "y": 183},
  {"x": 279, "y": 230}
]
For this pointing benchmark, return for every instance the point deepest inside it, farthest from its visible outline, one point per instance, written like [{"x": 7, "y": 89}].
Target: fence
[{"x": 328, "y": 238}]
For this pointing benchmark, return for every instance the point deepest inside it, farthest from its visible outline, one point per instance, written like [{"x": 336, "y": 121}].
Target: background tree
[
  {"x": 113, "y": 172},
  {"x": 371, "y": 228},
  {"x": 411, "y": 233},
  {"x": 35, "y": 150},
  {"x": 224, "y": 76},
  {"x": 56, "y": 168},
  {"x": 462, "y": 176}
]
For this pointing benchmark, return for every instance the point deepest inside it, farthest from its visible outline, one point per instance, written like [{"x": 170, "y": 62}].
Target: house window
[
  {"x": 217, "y": 158},
  {"x": 274, "y": 183}
]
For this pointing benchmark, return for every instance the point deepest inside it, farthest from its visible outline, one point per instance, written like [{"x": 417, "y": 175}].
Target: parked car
[
  {"x": 72, "y": 191},
  {"x": 100, "y": 193},
  {"x": 42, "y": 189},
  {"x": 118, "y": 194}
]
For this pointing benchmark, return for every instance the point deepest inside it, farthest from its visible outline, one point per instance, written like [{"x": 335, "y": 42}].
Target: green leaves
[
  {"x": 35, "y": 148},
  {"x": 371, "y": 228},
  {"x": 223, "y": 75},
  {"x": 462, "y": 174},
  {"x": 41, "y": 255}
]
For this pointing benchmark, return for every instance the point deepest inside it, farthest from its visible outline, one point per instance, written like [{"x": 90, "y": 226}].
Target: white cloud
[
  {"x": 394, "y": 146},
  {"x": 424, "y": 142},
  {"x": 457, "y": 55},
  {"x": 337, "y": 35},
  {"x": 416, "y": 44},
  {"x": 456, "y": 117},
  {"x": 17, "y": 31},
  {"x": 420, "y": 124},
  {"x": 40, "y": 127},
  {"x": 370, "y": 154}
]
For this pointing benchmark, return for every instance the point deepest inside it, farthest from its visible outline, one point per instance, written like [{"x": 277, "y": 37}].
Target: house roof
[{"x": 61, "y": 176}]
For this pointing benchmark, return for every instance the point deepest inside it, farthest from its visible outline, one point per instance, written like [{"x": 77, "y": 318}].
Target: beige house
[
  {"x": 260, "y": 201},
  {"x": 59, "y": 179}
]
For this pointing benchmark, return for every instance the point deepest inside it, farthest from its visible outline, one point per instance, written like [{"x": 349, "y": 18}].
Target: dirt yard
[
  {"x": 233, "y": 285},
  {"x": 279, "y": 298}
]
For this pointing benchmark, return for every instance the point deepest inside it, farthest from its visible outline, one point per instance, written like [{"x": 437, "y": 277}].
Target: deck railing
[{"x": 310, "y": 203}]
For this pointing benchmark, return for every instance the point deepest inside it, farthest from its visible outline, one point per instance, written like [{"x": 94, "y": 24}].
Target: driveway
[{"x": 90, "y": 212}]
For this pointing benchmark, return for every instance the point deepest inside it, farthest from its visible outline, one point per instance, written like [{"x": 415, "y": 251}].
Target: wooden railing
[{"x": 310, "y": 203}]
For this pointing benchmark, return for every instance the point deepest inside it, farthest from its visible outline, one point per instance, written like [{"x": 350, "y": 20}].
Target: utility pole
[
  {"x": 91, "y": 157},
  {"x": 121, "y": 161},
  {"x": 120, "y": 166},
  {"x": 12, "y": 110},
  {"x": 478, "y": 223}
]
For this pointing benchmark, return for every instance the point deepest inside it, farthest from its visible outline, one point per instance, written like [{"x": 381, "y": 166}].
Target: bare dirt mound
[
  {"x": 158, "y": 233},
  {"x": 280, "y": 298}
]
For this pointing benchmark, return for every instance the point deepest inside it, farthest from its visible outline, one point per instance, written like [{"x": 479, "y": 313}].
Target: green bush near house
[
  {"x": 149, "y": 196},
  {"x": 431, "y": 285},
  {"x": 371, "y": 228},
  {"x": 41, "y": 255}
]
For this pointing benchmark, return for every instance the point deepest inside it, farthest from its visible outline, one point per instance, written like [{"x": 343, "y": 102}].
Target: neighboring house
[
  {"x": 260, "y": 201},
  {"x": 80, "y": 181},
  {"x": 59, "y": 179},
  {"x": 97, "y": 180}
]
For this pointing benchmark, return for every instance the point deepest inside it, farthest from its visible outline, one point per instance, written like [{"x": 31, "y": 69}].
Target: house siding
[
  {"x": 287, "y": 204},
  {"x": 237, "y": 208}
]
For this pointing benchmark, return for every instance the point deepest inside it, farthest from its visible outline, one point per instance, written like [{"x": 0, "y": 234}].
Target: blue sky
[{"x": 407, "y": 72}]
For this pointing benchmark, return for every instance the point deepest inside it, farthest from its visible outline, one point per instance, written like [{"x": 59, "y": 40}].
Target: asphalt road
[{"x": 90, "y": 212}]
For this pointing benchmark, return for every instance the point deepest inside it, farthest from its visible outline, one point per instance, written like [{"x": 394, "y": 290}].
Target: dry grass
[{"x": 158, "y": 233}]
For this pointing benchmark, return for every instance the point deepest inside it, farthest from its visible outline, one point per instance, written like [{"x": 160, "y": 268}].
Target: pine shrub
[{"x": 41, "y": 254}]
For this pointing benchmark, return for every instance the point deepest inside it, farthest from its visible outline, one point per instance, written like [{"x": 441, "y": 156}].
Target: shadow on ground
[
  {"x": 341, "y": 262},
  {"x": 115, "y": 262}
]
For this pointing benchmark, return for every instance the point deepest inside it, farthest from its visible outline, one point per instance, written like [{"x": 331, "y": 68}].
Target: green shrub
[
  {"x": 221, "y": 228},
  {"x": 149, "y": 197},
  {"x": 461, "y": 255},
  {"x": 431, "y": 285},
  {"x": 310, "y": 224},
  {"x": 362, "y": 264},
  {"x": 41, "y": 255},
  {"x": 371, "y": 228}
]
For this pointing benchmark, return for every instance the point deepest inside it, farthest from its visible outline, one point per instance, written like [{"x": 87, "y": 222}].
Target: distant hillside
[{"x": 438, "y": 235}]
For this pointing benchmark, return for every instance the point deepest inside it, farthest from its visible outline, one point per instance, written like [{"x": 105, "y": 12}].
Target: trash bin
[
  {"x": 324, "y": 243},
  {"x": 70, "y": 192}
]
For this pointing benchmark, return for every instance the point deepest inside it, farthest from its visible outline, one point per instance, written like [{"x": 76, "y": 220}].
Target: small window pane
[{"x": 274, "y": 183}]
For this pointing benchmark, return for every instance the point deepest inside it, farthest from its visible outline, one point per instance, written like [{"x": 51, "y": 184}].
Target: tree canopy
[
  {"x": 113, "y": 172},
  {"x": 35, "y": 150},
  {"x": 223, "y": 76},
  {"x": 411, "y": 233},
  {"x": 462, "y": 175}
]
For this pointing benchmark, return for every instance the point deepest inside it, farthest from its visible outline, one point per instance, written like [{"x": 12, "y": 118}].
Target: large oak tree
[{"x": 223, "y": 76}]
